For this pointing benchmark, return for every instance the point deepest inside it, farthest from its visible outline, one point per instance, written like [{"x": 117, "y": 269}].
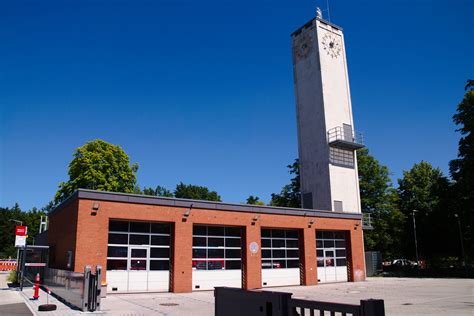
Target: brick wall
[
  {"x": 62, "y": 235},
  {"x": 92, "y": 237}
]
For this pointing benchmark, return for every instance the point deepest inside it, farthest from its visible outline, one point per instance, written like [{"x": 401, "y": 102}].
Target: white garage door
[
  {"x": 331, "y": 256},
  {"x": 217, "y": 257},
  {"x": 138, "y": 257},
  {"x": 280, "y": 257}
]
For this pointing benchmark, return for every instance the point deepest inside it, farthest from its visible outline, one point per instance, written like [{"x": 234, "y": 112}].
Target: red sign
[{"x": 20, "y": 230}]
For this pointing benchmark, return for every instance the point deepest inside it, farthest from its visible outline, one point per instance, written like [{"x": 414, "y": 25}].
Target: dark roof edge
[
  {"x": 199, "y": 204},
  {"x": 307, "y": 24},
  {"x": 68, "y": 200}
]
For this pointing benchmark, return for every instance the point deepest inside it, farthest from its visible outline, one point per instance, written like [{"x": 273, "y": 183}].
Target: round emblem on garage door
[{"x": 253, "y": 247}]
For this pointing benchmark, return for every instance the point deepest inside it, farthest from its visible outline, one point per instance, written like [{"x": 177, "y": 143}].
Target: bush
[{"x": 12, "y": 277}]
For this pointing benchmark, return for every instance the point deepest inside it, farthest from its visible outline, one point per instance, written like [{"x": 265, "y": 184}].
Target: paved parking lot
[{"x": 403, "y": 296}]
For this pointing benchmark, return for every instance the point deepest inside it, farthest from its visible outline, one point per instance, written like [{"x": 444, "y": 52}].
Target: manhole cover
[
  {"x": 169, "y": 304},
  {"x": 407, "y": 304}
]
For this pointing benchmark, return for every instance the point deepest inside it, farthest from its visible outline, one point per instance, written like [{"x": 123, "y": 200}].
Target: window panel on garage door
[
  {"x": 280, "y": 248},
  {"x": 331, "y": 248},
  {"x": 125, "y": 235},
  {"x": 216, "y": 248}
]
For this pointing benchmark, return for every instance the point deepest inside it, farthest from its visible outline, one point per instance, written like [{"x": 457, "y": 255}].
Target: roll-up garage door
[
  {"x": 217, "y": 257},
  {"x": 280, "y": 257},
  {"x": 138, "y": 257},
  {"x": 332, "y": 256}
]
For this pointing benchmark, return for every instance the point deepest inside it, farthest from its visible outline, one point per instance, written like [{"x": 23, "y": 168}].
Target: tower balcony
[{"x": 344, "y": 137}]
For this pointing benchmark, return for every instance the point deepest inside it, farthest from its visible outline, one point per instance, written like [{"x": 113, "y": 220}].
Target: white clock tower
[{"x": 326, "y": 138}]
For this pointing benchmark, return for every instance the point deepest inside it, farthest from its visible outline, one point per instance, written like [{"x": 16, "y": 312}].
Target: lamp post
[
  {"x": 416, "y": 242},
  {"x": 462, "y": 241}
]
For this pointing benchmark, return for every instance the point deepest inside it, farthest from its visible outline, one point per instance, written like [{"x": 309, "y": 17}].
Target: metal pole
[
  {"x": 462, "y": 241},
  {"x": 416, "y": 242},
  {"x": 22, "y": 272},
  {"x": 17, "y": 250}
]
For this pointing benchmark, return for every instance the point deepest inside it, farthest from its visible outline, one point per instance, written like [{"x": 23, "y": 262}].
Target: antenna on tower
[
  {"x": 329, "y": 12},
  {"x": 319, "y": 12}
]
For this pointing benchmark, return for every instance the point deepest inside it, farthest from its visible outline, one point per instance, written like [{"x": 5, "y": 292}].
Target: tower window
[
  {"x": 341, "y": 157},
  {"x": 308, "y": 200},
  {"x": 338, "y": 206}
]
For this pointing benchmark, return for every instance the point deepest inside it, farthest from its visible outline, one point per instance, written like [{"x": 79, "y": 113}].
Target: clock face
[
  {"x": 303, "y": 46},
  {"x": 332, "y": 45}
]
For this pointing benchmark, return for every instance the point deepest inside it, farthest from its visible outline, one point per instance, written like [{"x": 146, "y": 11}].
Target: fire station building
[{"x": 168, "y": 244}]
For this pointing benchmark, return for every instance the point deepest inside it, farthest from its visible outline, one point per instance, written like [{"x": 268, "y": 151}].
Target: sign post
[
  {"x": 20, "y": 242},
  {"x": 20, "y": 236}
]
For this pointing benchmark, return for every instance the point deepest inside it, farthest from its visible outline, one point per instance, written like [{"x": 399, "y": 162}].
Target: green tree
[
  {"x": 158, "y": 191},
  {"x": 195, "y": 192},
  {"x": 379, "y": 199},
  {"x": 99, "y": 165},
  {"x": 7, "y": 227},
  {"x": 48, "y": 207},
  {"x": 462, "y": 168},
  {"x": 425, "y": 189},
  {"x": 254, "y": 200},
  {"x": 290, "y": 195}
]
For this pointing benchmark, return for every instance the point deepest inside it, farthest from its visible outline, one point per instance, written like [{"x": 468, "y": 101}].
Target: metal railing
[
  {"x": 366, "y": 308},
  {"x": 341, "y": 135},
  {"x": 236, "y": 302}
]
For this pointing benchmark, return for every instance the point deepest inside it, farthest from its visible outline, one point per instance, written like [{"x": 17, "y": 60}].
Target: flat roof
[
  {"x": 199, "y": 204},
  {"x": 307, "y": 24}
]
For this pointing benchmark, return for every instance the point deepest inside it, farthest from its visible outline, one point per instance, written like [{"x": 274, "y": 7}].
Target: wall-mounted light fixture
[
  {"x": 95, "y": 208},
  {"x": 187, "y": 213},
  {"x": 255, "y": 219}
]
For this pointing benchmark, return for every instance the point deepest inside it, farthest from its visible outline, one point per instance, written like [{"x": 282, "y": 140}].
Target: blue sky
[{"x": 202, "y": 91}]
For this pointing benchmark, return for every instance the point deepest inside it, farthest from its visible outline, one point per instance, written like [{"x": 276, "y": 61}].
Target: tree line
[{"x": 442, "y": 206}]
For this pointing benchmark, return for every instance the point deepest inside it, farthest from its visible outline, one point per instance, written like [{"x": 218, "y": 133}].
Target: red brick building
[{"x": 167, "y": 244}]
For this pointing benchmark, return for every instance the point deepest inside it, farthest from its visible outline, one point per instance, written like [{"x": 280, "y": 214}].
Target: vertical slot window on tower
[{"x": 341, "y": 157}]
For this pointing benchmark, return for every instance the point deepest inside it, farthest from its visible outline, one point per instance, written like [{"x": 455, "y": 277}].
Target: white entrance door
[
  {"x": 138, "y": 268},
  {"x": 330, "y": 265}
]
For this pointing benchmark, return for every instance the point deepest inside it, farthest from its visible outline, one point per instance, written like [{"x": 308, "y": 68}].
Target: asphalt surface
[
  {"x": 19, "y": 309},
  {"x": 402, "y": 296},
  {"x": 11, "y": 301}
]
